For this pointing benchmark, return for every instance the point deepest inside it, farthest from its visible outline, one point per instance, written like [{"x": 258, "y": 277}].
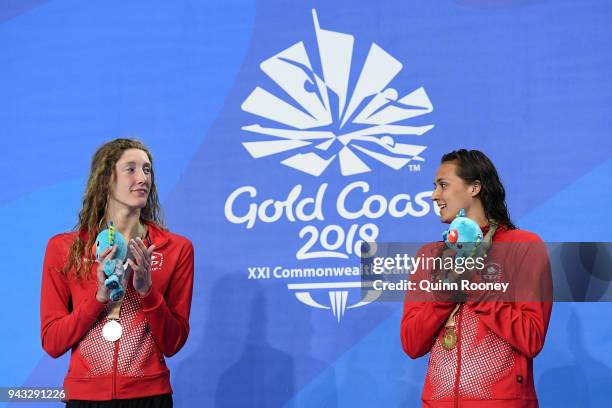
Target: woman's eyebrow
[{"x": 132, "y": 163}]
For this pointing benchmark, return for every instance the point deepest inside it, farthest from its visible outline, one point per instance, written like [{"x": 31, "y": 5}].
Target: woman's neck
[
  {"x": 477, "y": 213},
  {"x": 127, "y": 223}
]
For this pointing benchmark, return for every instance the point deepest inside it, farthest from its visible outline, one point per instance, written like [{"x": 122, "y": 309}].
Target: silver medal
[{"x": 112, "y": 330}]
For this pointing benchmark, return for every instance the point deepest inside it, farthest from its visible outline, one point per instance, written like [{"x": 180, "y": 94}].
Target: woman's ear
[{"x": 476, "y": 188}]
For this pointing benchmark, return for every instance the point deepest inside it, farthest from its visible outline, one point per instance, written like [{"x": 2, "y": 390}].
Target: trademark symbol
[{"x": 414, "y": 167}]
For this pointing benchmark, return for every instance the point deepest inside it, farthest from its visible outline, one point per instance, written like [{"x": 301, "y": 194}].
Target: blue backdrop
[{"x": 308, "y": 104}]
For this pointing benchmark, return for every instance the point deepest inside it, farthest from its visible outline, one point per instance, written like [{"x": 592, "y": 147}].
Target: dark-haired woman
[
  {"x": 481, "y": 348},
  {"x": 118, "y": 348}
]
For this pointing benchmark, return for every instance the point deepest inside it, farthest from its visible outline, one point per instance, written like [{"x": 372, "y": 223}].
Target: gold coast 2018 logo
[
  {"x": 315, "y": 120},
  {"x": 324, "y": 109}
]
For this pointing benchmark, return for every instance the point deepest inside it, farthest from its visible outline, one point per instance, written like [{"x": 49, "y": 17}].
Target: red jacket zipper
[
  {"x": 458, "y": 328},
  {"x": 115, "y": 357}
]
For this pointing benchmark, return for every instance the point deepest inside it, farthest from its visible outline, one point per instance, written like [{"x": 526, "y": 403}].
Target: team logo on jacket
[
  {"x": 491, "y": 272},
  {"x": 157, "y": 261},
  {"x": 322, "y": 120}
]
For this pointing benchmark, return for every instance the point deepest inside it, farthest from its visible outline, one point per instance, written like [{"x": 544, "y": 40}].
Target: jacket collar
[
  {"x": 500, "y": 228},
  {"x": 158, "y": 236}
]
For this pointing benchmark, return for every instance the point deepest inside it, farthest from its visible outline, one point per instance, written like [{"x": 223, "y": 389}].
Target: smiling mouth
[{"x": 441, "y": 207}]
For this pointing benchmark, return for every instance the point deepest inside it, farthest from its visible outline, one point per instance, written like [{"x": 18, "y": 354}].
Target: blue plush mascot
[
  {"x": 463, "y": 236},
  {"x": 113, "y": 268}
]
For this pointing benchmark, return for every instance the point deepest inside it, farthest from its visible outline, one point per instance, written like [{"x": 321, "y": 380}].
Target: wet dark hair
[{"x": 474, "y": 165}]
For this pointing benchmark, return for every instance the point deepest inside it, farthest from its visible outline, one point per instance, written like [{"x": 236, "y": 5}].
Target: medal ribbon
[
  {"x": 486, "y": 245},
  {"x": 450, "y": 322},
  {"x": 114, "y": 312}
]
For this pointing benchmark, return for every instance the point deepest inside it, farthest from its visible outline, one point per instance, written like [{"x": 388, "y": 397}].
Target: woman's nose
[
  {"x": 141, "y": 176},
  {"x": 435, "y": 195}
]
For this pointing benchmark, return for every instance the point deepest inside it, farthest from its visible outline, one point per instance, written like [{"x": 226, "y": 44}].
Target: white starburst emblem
[{"x": 309, "y": 129}]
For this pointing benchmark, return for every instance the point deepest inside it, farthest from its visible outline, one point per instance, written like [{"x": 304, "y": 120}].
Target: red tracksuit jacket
[
  {"x": 491, "y": 365},
  {"x": 154, "y": 326}
]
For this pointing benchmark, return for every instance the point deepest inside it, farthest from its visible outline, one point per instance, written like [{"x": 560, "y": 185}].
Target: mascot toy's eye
[{"x": 463, "y": 235}]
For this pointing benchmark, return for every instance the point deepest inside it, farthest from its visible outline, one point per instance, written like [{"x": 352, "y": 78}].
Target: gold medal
[{"x": 449, "y": 338}]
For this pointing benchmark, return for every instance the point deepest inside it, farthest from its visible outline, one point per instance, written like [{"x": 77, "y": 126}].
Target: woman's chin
[
  {"x": 138, "y": 205},
  {"x": 445, "y": 220}
]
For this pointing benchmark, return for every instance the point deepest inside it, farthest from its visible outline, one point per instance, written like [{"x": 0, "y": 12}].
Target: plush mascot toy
[
  {"x": 113, "y": 268},
  {"x": 463, "y": 236}
]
